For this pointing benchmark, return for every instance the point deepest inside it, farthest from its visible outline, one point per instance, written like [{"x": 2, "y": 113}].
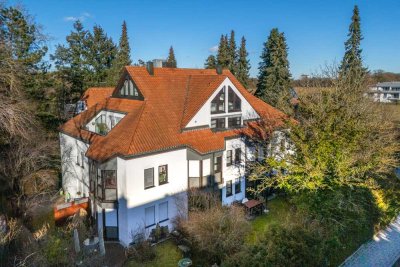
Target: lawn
[
  {"x": 167, "y": 255},
  {"x": 279, "y": 209}
]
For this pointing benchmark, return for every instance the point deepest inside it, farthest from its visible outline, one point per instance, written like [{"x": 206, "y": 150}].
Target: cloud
[
  {"x": 213, "y": 49},
  {"x": 82, "y": 17}
]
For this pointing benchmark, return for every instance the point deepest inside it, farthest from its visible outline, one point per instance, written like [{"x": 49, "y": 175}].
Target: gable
[
  {"x": 127, "y": 88},
  {"x": 202, "y": 117}
]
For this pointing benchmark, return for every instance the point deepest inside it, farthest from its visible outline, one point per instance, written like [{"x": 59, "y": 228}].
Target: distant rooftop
[{"x": 387, "y": 84}]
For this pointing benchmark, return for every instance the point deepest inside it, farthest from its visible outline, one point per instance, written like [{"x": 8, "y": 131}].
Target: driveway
[{"x": 383, "y": 250}]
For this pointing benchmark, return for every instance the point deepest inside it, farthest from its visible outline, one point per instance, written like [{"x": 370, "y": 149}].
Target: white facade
[{"x": 386, "y": 92}]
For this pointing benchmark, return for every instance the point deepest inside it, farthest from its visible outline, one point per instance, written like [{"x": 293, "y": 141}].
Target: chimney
[
  {"x": 219, "y": 69},
  {"x": 150, "y": 67}
]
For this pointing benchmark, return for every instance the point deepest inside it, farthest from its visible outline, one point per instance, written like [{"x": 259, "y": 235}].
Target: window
[
  {"x": 234, "y": 101},
  {"x": 238, "y": 187},
  {"x": 99, "y": 185},
  {"x": 228, "y": 188},
  {"x": 228, "y": 157},
  {"x": 150, "y": 216},
  {"x": 218, "y": 123},
  {"x": 238, "y": 153},
  {"x": 282, "y": 145},
  {"x": 163, "y": 211},
  {"x": 162, "y": 174},
  {"x": 218, "y": 169},
  {"x": 82, "y": 160},
  {"x": 110, "y": 185},
  {"x": 128, "y": 88},
  {"x": 234, "y": 122},
  {"x": 218, "y": 103},
  {"x": 101, "y": 126},
  {"x": 78, "y": 158},
  {"x": 148, "y": 178}
]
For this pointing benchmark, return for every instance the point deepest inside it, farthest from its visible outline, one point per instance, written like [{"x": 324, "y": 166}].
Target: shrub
[
  {"x": 217, "y": 232},
  {"x": 56, "y": 250}
]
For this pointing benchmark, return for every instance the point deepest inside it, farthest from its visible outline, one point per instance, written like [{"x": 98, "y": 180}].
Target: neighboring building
[
  {"x": 386, "y": 92},
  {"x": 162, "y": 131}
]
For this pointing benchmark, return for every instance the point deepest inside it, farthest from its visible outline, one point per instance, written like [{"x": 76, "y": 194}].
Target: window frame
[
  {"x": 144, "y": 178},
  {"x": 161, "y": 220},
  {"x": 238, "y": 186},
  {"x": 219, "y": 102},
  {"x": 238, "y": 155},
  {"x": 237, "y": 120},
  {"x": 235, "y": 100},
  {"x": 154, "y": 216},
  {"x": 218, "y": 125},
  {"x": 229, "y": 192},
  {"x": 229, "y": 160},
  {"x": 166, "y": 174}
]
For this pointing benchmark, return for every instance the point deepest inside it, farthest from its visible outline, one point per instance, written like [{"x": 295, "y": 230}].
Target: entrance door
[{"x": 110, "y": 223}]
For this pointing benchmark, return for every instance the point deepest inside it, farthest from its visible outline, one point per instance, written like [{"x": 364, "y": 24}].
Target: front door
[{"x": 110, "y": 223}]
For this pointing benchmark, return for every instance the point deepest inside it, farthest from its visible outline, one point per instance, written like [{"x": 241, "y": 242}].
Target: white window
[
  {"x": 163, "y": 211},
  {"x": 149, "y": 216}
]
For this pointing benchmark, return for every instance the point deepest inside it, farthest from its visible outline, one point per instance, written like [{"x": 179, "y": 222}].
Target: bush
[
  {"x": 217, "y": 232},
  {"x": 56, "y": 250}
]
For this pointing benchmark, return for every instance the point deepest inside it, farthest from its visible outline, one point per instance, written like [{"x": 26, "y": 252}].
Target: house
[
  {"x": 387, "y": 92},
  {"x": 137, "y": 150}
]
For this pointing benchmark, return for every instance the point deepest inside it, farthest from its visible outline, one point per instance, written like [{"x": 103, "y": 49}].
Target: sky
[{"x": 315, "y": 30}]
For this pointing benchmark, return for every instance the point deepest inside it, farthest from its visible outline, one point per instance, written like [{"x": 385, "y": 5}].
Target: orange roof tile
[
  {"x": 171, "y": 98},
  {"x": 94, "y": 95}
]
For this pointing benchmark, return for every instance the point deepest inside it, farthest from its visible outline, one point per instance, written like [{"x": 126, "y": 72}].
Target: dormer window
[
  {"x": 218, "y": 103},
  {"x": 234, "y": 101},
  {"x": 128, "y": 88},
  {"x": 104, "y": 122}
]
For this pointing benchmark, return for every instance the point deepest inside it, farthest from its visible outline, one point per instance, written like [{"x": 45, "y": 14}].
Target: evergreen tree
[
  {"x": 211, "y": 62},
  {"x": 70, "y": 61},
  {"x": 100, "y": 55},
  {"x": 232, "y": 53},
  {"x": 171, "y": 61},
  {"x": 223, "y": 52},
  {"x": 351, "y": 67},
  {"x": 243, "y": 64},
  {"x": 274, "y": 77},
  {"x": 122, "y": 59}
]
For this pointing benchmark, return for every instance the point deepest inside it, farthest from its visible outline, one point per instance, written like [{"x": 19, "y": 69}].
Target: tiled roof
[
  {"x": 171, "y": 98},
  {"x": 94, "y": 95}
]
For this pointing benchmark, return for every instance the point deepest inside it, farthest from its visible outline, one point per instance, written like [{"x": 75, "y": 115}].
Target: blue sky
[{"x": 315, "y": 30}]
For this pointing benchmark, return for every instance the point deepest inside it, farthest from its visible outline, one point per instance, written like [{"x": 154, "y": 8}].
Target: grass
[
  {"x": 167, "y": 254},
  {"x": 279, "y": 209}
]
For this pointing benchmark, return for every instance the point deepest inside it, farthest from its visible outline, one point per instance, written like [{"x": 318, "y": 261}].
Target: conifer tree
[
  {"x": 351, "y": 67},
  {"x": 210, "y": 62},
  {"x": 71, "y": 63},
  {"x": 223, "y": 52},
  {"x": 171, "y": 61},
  {"x": 243, "y": 64},
  {"x": 232, "y": 53},
  {"x": 274, "y": 77},
  {"x": 100, "y": 55},
  {"x": 123, "y": 57}
]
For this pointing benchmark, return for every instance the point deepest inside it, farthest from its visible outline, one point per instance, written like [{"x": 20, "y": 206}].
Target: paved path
[{"x": 382, "y": 251}]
